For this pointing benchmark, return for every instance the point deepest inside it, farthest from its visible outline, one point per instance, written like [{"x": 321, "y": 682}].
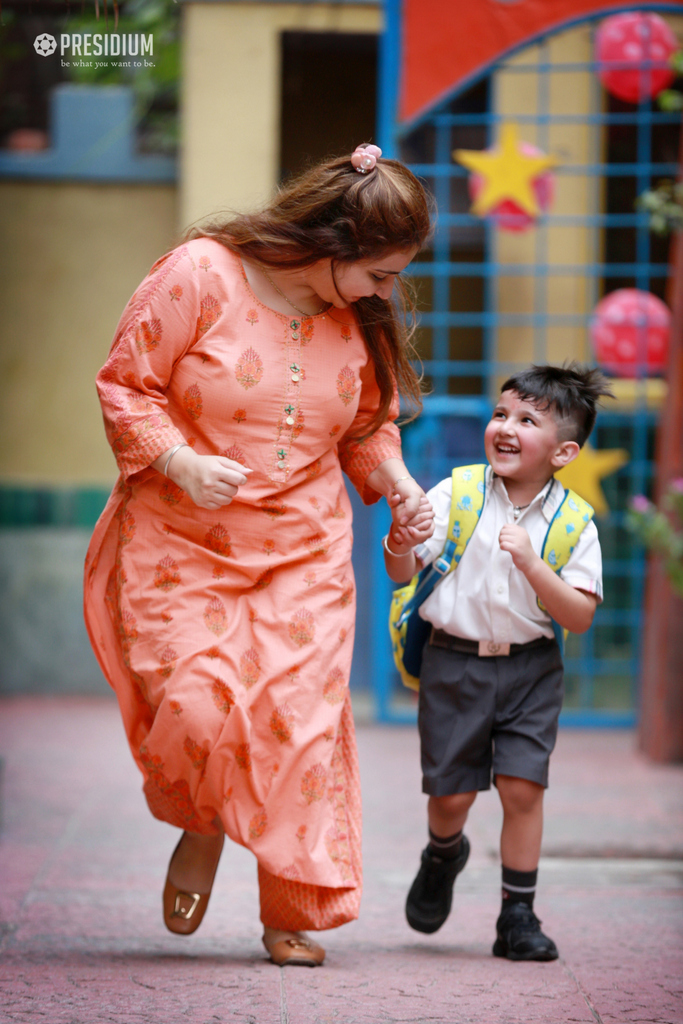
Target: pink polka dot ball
[
  {"x": 644, "y": 42},
  {"x": 630, "y": 333}
]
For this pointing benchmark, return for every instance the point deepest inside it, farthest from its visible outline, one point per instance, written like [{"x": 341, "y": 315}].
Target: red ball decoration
[
  {"x": 630, "y": 333},
  {"x": 635, "y": 38},
  {"x": 508, "y": 215}
]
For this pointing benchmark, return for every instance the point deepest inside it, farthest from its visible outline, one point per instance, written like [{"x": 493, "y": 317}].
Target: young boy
[{"x": 482, "y": 713}]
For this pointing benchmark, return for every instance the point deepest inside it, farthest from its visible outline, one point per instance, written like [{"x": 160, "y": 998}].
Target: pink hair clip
[{"x": 364, "y": 158}]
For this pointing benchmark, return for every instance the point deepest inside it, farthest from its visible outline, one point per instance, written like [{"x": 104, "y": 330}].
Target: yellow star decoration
[
  {"x": 508, "y": 173},
  {"x": 584, "y": 474}
]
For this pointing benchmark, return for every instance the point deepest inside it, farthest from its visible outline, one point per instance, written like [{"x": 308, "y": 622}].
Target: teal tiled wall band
[{"x": 51, "y": 506}]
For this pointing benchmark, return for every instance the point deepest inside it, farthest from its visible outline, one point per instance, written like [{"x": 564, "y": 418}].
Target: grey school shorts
[{"x": 480, "y": 717}]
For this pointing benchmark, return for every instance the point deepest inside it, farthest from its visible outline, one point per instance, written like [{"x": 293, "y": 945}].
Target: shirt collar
[{"x": 548, "y": 498}]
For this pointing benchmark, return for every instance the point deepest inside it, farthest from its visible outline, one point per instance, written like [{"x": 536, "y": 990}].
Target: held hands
[
  {"x": 412, "y": 515},
  {"x": 515, "y": 539},
  {"x": 407, "y": 529},
  {"x": 211, "y": 481}
]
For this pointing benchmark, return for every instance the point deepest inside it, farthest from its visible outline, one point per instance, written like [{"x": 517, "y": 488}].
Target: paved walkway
[{"x": 82, "y": 864}]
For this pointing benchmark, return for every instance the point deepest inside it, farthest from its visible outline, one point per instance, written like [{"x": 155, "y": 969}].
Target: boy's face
[{"x": 522, "y": 443}]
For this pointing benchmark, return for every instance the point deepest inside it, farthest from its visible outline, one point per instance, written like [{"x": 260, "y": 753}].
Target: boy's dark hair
[{"x": 571, "y": 392}]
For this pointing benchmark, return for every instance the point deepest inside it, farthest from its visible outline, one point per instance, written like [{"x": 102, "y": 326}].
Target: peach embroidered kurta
[{"x": 227, "y": 634}]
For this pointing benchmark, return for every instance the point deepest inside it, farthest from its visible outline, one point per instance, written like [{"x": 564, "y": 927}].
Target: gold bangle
[{"x": 393, "y": 486}]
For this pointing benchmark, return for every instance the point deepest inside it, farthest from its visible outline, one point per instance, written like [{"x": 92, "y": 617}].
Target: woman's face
[{"x": 358, "y": 280}]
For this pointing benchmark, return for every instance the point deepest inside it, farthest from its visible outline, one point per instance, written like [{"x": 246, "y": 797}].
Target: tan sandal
[
  {"x": 294, "y": 951},
  {"x": 183, "y": 910}
]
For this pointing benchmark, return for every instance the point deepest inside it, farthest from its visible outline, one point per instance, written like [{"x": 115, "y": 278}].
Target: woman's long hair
[{"x": 333, "y": 212}]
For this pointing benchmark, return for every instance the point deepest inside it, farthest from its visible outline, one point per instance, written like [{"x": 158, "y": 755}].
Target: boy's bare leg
[
  {"x": 520, "y": 839},
  {"x": 448, "y": 814}
]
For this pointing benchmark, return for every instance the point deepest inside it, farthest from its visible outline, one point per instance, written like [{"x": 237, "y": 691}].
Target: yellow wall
[
  {"x": 573, "y": 93},
  {"x": 71, "y": 255},
  {"x": 231, "y": 95}
]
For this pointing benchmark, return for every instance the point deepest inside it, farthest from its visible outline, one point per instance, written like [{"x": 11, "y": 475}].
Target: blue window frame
[{"x": 463, "y": 321}]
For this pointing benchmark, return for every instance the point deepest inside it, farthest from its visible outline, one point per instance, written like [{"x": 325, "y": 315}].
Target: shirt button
[
  {"x": 281, "y": 464},
  {"x": 295, "y": 378},
  {"x": 290, "y": 421},
  {"x": 295, "y": 336},
  {"x": 501, "y": 590}
]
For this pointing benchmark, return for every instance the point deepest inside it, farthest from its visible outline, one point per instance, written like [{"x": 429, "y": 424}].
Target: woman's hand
[
  {"x": 211, "y": 481},
  {"x": 405, "y": 500}
]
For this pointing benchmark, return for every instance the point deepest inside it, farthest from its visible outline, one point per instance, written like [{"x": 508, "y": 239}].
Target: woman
[{"x": 252, "y": 365}]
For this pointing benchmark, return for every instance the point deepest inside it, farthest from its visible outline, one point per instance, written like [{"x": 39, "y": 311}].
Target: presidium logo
[
  {"x": 97, "y": 44},
  {"x": 45, "y": 44}
]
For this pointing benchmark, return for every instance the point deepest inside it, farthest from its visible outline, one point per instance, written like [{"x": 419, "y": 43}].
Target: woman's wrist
[
  {"x": 170, "y": 454},
  {"x": 174, "y": 462},
  {"x": 387, "y": 475}
]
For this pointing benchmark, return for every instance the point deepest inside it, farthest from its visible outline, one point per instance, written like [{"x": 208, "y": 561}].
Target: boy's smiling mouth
[{"x": 507, "y": 449}]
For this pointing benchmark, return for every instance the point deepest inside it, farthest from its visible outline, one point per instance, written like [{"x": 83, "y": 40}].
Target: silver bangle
[
  {"x": 174, "y": 449},
  {"x": 394, "y": 554}
]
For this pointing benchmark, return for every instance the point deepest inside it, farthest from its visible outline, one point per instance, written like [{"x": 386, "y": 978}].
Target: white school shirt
[{"x": 487, "y": 597}]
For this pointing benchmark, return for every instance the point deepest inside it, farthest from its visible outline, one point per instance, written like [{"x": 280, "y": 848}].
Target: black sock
[
  {"x": 519, "y": 886},
  {"x": 444, "y": 847}
]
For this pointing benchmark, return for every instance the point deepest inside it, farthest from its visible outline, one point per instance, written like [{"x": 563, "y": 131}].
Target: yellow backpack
[{"x": 407, "y": 629}]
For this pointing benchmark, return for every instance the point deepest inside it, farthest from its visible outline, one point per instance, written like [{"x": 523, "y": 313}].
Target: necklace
[
  {"x": 287, "y": 299},
  {"x": 518, "y": 509}
]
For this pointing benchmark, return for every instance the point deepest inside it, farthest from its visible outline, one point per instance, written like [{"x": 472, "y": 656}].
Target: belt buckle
[{"x": 492, "y": 649}]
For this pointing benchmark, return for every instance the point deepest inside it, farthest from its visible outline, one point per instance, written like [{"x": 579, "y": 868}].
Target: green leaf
[{"x": 670, "y": 99}]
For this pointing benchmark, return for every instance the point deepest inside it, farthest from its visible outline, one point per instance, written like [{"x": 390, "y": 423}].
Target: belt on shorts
[{"x": 484, "y": 648}]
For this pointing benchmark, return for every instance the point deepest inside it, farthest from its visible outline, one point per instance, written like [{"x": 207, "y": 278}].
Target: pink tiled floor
[{"x": 82, "y": 864}]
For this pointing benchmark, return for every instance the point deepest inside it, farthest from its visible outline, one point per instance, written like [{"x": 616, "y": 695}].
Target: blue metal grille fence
[{"x": 463, "y": 321}]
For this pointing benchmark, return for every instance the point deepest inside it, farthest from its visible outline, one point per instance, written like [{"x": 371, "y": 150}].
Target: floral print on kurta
[{"x": 226, "y": 634}]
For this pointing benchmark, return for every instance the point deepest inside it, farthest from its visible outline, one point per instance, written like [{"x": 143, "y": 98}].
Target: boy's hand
[
  {"x": 571, "y": 607},
  {"x": 400, "y": 541},
  {"x": 516, "y": 540}
]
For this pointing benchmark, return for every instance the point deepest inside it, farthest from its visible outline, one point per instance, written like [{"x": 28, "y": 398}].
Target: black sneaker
[
  {"x": 520, "y": 936},
  {"x": 431, "y": 894}
]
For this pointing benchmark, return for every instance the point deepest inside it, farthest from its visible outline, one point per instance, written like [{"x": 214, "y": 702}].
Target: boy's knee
[
  {"x": 453, "y": 803},
  {"x": 519, "y": 796}
]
